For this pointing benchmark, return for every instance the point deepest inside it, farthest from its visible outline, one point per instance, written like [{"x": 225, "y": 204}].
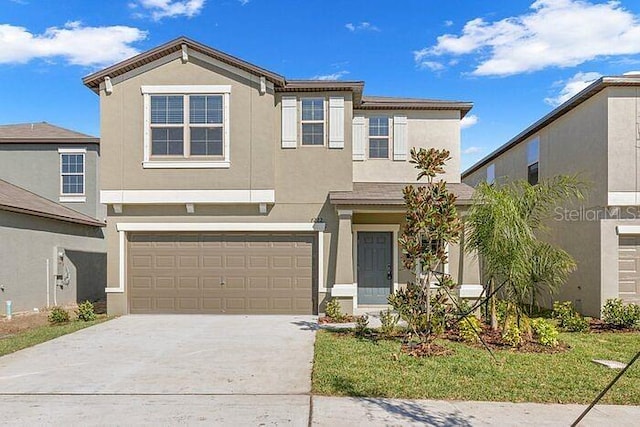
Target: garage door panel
[
  {"x": 221, "y": 273},
  {"x": 628, "y": 272}
]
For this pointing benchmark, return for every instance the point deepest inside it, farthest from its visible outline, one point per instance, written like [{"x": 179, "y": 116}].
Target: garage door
[
  {"x": 221, "y": 273},
  {"x": 629, "y": 269}
]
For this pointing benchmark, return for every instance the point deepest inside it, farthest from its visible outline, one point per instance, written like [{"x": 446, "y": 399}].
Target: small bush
[
  {"x": 333, "y": 310},
  {"x": 512, "y": 335},
  {"x": 389, "y": 322},
  {"x": 86, "y": 312},
  {"x": 58, "y": 315},
  {"x": 568, "y": 318},
  {"x": 362, "y": 322},
  {"x": 620, "y": 315},
  {"x": 544, "y": 332},
  {"x": 469, "y": 328}
]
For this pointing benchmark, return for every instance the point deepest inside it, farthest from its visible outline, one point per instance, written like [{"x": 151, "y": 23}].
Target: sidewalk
[{"x": 344, "y": 411}]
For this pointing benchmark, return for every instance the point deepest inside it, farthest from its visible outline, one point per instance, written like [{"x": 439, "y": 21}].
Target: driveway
[{"x": 166, "y": 369}]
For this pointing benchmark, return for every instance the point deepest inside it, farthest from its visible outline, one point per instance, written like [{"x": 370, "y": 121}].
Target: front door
[{"x": 375, "y": 274}]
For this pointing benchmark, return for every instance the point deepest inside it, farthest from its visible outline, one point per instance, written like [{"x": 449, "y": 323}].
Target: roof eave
[{"x": 89, "y": 222}]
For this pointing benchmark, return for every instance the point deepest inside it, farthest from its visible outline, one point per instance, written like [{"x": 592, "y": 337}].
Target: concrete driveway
[{"x": 166, "y": 369}]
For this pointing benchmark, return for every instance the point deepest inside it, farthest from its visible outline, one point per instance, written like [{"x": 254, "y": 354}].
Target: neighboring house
[
  {"x": 51, "y": 238},
  {"x": 595, "y": 134},
  {"x": 231, "y": 189}
]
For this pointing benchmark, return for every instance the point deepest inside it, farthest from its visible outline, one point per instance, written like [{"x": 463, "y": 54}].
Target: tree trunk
[{"x": 492, "y": 306}]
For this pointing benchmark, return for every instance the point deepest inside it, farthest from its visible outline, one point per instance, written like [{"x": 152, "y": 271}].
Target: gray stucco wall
[
  {"x": 27, "y": 242},
  {"x": 36, "y": 167}
]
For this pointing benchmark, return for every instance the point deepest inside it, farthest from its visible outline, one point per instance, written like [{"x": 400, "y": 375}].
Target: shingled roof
[
  {"x": 42, "y": 132},
  {"x": 17, "y": 199},
  {"x": 390, "y": 194}
]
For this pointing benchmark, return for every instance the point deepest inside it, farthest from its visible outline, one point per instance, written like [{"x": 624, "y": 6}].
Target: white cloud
[
  {"x": 572, "y": 86},
  {"x": 448, "y": 23},
  {"x": 77, "y": 44},
  {"x": 363, "y": 26},
  {"x": 333, "y": 76},
  {"x": 159, "y": 9},
  {"x": 472, "y": 150},
  {"x": 556, "y": 33},
  {"x": 432, "y": 65},
  {"x": 243, "y": 2},
  {"x": 468, "y": 121}
]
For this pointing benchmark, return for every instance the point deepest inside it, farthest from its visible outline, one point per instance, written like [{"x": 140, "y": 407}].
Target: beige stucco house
[
  {"x": 595, "y": 134},
  {"x": 231, "y": 189}
]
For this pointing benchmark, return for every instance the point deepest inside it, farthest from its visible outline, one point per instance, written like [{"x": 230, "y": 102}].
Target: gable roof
[
  {"x": 42, "y": 132},
  {"x": 93, "y": 80},
  {"x": 17, "y": 199},
  {"x": 585, "y": 94},
  {"x": 281, "y": 84}
]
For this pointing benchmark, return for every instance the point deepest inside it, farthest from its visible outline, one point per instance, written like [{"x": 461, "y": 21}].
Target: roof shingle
[
  {"x": 42, "y": 132},
  {"x": 385, "y": 193}
]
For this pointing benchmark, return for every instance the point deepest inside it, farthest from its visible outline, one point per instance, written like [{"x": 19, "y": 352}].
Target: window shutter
[
  {"x": 400, "y": 137},
  {"x": 359, "y": 138},
  {"x": 336, "y": 122},
  {"x": 289, "y": 122}
]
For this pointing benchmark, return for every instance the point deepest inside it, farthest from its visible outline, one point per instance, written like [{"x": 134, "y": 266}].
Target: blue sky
[{"x": 514, "y": 59}]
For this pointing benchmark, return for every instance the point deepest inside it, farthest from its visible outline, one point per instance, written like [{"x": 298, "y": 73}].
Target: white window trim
[
  {"x": 389, "y": 138},
  {"x": 123, "y": 228},
  {"x": 324, "y": 121},
  {"x": 185, "y": 90},
  {"x": 74, "y": 197}
]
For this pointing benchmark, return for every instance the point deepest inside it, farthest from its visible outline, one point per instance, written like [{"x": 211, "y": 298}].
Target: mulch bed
[
  {"x": 494, "y": 341},
  {"x": 347, "y": 318},
  {"x": 598, "y": 326}
]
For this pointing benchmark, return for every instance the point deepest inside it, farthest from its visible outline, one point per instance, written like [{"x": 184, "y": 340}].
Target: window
[
  {"x": 312, "y": 121},
  {"x": 533, "y": 159},
  {"x": 187, "y": 126},
  {"x": 379, "y": 137},
  {"x": 72, "y": 173},
  {"x": 491, "y": 173}
]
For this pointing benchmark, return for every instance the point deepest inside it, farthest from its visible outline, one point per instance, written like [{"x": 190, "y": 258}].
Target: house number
[{"x": 317, "y": 219}]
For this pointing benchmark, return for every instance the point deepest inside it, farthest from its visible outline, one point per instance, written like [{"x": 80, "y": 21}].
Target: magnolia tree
[{"x": 431, "y": 223}]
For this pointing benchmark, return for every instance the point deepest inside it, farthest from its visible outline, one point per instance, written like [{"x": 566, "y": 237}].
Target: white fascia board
[
  {"x": 71, "y": 150},
  {"x": 623, "y": 198},
  {"x": 222, "y": 226},
  {"x": 156, "y": 89},
  {"x": 127, "y": 197},
  {"x": 628, "y": 229}
]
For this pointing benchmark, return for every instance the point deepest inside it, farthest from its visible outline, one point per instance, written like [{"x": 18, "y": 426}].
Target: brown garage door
[
  {"x": 629, "y": 269},
  {"x": 221, "y": 273}
]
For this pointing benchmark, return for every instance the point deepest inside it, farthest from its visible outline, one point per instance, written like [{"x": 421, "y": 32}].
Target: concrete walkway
[{"x": 222, "y": 370}]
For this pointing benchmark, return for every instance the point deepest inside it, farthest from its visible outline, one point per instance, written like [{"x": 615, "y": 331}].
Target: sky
[{"x": 515, "y": 60}]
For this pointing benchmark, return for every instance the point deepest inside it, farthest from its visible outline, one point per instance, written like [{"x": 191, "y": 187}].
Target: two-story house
[
  {"x": 231, "y": 189},
  {"x": 51, "y": 240},
  {"x": 595, "y": 134}
]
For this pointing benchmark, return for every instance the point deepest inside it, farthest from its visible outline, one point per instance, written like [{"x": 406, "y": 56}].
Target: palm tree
[{"x": 502, "y": 228}]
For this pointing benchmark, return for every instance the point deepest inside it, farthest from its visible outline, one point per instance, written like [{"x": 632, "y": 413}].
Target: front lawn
[
  {"x": 40, "y": 334},
  {"x": 349, "y": 366}
]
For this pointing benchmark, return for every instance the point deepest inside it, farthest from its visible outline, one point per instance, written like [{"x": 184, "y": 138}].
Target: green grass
[
  {"x": 41, "y": 334},
  {"x": 349, "y": 366}
]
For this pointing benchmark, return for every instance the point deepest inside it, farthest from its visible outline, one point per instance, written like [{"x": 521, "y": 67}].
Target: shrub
[
  {"x": 501, "y": 310},
  {"x": 545, "y": 333},
  {"x": 362, "y": 322},
  {"x": 86, "y": 312},
  {"x": 469, "y": 328},
  {"x": 389, "y": 322},
  {"x": 620, "y": 315},
  {"x": 333, "y": 310},
  {"x": 58, "y": 315},
  {"x": 512, "y": 335},
  {"x": 568, "y": 318}
]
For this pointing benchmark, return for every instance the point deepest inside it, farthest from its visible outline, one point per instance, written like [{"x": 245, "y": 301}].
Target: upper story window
[
  {"x": 491, "y": 173},
  {"x": 533, "y": 160},
  {"x": 312, "y": 121},
  {"x": 72, "y": 174},
  {"x": 186, "y": 126},
  {"x": 379, "y": 137}
]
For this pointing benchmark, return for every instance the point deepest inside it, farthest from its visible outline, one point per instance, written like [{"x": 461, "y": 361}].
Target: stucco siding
[
  {"x": 27, "y": 242},
  {"x": 624, "y": 151},
  {"x": 252, "y": 133},
  {"x": 36, "y": 167},
  {"x": 425, "y": 129}
]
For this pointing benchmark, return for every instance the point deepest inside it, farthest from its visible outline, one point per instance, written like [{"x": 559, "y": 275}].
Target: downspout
[{"x": 48, "y": 283}]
